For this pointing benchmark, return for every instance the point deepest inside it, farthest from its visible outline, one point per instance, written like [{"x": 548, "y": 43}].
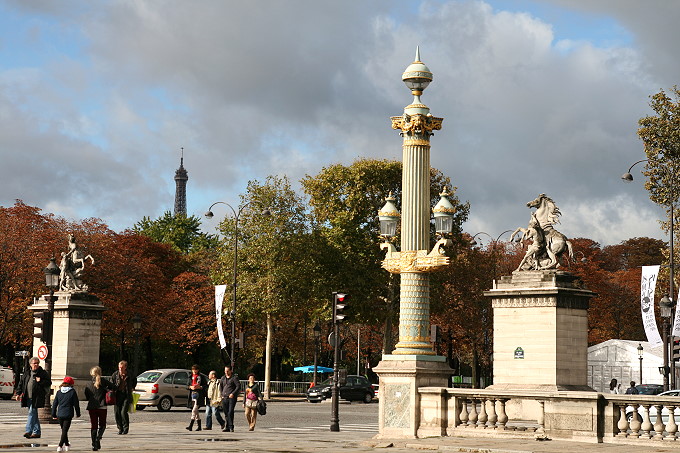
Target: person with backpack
[
  {"x": 632, "y": 390},
  {"x": 63, "y": 407}
]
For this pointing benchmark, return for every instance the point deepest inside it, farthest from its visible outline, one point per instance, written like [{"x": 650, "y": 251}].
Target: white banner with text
[
  {"x": 219, "y": 297},
  {"x": 647, "y": 287}
]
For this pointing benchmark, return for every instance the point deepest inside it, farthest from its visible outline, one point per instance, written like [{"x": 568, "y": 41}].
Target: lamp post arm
[{"x": 631, "y": 167}]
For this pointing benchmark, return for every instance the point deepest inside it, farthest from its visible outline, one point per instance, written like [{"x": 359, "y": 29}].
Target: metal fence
[{"x": 283, "y": 387}]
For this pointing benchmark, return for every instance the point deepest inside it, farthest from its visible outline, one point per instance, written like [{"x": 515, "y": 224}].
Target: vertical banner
[
  {"x": 647, "y": 287},
  {"x": 676, "y": 321},
  {"x": 219, "y": 297}
]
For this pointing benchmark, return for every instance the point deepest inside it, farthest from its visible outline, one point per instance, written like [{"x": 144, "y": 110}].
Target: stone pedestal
[
  {"x": 76, "y": 336},
  {"x": 540, "y": 331},
  {"x": 400, "y": 377}
]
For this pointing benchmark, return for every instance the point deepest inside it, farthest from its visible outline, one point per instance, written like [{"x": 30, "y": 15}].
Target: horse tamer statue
[{"x": 548, "y": 244}]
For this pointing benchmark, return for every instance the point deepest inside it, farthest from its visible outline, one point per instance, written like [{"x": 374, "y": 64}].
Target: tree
[
  {"x": 276, "y": 273},
  {"x": 345, "y": 201},
  {"x": 179, "y": 231}
]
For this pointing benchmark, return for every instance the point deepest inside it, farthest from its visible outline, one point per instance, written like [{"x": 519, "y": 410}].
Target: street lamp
[
  {"x": 493, "y": 241},
  {"x": 232, "y": 314},
  {"x": 666, "y": 307},
  {"x": 51, "y": 272},
  {"x": 641, "y": 351},
  {"x": 317, "y": 335},
  {"x": 136, "y": 325}
]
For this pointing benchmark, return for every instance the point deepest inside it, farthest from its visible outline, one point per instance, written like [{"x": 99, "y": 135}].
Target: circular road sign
[{"x": 42, "y": 352}]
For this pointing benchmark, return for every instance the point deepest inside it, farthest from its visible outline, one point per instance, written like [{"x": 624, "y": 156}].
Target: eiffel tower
[{"x": 181, "y": 178}]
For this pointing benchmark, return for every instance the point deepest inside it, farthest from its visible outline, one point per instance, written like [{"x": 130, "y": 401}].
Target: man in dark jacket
[
  {"x": 230, "y": 390},
  {"x": 33, "y": 388},
  {"x": 125, "y": 385}
]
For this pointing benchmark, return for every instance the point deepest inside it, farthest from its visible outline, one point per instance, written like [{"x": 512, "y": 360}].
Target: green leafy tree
[
  {"x": 345, "y": 201},
  {"x": 179, "y": 231}
]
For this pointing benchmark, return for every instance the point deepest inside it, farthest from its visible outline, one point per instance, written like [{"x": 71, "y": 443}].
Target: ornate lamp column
[{"x": 413, "y": 363}]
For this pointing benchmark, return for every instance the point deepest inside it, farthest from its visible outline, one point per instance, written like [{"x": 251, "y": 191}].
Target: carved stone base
[
  {"x": 76, "y": 338},
  {"x": 540, "y": 331},
  {"x": 400, "y": 378}
]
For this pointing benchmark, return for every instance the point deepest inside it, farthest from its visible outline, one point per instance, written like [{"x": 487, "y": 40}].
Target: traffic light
[
  {"x": 676, "y": 350},
  {"x": 340, "y": 307},
  {"x": 43, "y": 322}
]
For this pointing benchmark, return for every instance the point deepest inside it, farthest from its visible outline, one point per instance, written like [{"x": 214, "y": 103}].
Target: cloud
[{"x": 251, "y": 89}]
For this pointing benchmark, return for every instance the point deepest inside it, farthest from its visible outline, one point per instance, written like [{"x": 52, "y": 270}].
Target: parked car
[
  {"x": 356, "y": 388},
  {"x": 6, "y": 382},
  {"x": 163, "y": 388},
  {"x": 652, "y": 409},
  {"x": 649, "y": 389}
]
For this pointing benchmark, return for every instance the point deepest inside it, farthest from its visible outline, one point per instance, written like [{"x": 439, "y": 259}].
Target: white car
[{"x": 6, "y": 382}]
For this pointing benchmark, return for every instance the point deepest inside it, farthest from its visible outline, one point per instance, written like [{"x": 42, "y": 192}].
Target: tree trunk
[
  {"x": 268, "y": 358},
  {"x": 475, "y": 368}
]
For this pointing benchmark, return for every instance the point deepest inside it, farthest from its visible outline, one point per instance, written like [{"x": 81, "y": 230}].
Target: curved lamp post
[
  {"x": 667, "y": 302},
  {"x": 232, "y": 314},
  {"x": 473, "y": 242},
  {"x": 136, "y": 326},
  {"x": 317, "y": 335}
]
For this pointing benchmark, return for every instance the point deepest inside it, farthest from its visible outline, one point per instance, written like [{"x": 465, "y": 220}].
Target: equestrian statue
[
  {"x": 72, "y": 266},
  {"x": 548, "y": 244}
]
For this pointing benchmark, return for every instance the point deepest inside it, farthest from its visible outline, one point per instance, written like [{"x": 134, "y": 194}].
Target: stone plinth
[
  {"x": 400, "y": 378},
  {"x": 76, "y": 337},
  {"x": 540, "y": 332}
]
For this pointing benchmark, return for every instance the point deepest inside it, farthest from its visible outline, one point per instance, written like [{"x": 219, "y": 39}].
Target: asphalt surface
[{"x": 289, "y": 426}]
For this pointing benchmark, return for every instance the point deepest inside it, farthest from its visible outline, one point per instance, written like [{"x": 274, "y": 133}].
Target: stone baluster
[
  {"x": 671, "y": 427},
  {"x": 623, "y": 421},
  {"x": 635, "y": 423},
  {"x": 502, "y": 416},
  {"x": 659, "y": 427},
  {"x": 463, "y": 412},
  {"x": 646, "y": 426},
  {"x": 493, "y": 418},
  {"x": 483, "y": 417},
  {"x": 541, "y": 418},
  {"x": 472, "y": 422}
]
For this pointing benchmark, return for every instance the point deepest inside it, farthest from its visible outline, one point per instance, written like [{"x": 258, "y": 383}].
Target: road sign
[
  {"x": 42, "y": 352},
  {"x": 20, "y": 353}
]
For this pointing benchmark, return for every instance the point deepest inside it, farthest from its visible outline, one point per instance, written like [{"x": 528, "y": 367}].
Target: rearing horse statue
[{"x": 548, "y": 257}]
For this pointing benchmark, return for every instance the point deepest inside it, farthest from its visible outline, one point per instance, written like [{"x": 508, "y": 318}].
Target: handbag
[
  {"x": 110, "y": 397},
  {"x": 261, "y": 407}
]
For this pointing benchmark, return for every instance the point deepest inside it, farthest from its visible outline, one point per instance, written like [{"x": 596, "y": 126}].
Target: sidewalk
[{"x": 159, "y": 437}]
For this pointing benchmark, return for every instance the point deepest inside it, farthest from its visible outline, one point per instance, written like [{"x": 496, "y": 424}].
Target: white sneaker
[
  {"x": 66, "y": 447},
  {"x": 60, "y": 449}
]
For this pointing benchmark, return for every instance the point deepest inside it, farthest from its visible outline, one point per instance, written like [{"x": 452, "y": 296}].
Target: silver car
[{"x": 163, "y": 388}]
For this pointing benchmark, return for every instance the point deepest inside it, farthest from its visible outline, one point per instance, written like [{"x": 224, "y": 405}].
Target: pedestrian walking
[
  {"x": 251, "y": 396},
  {"x": 63, "y": 407},
  {"x": 33, "y": 388},
  {"x": 125, "y": 386},
  {"x": 214, "y": 402},
  {"x": 632, "y": 390},
  {"x": 95, "y": 392},
  {"x": 198, "y": 386},
  {"x": 614, "y": 387},
  {"x": 230, "y": 390}
]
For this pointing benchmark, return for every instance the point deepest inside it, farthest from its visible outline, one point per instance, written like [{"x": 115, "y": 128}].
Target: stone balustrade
[{"x": 582, "y": 416}]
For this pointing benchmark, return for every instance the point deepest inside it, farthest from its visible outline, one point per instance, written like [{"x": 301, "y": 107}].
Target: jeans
[
  {"x": 228, "y": 405},
  {"x": 120, "y": 412},
  {"x": 209, "y": 411},
  {"x": 33, "y": 423}
]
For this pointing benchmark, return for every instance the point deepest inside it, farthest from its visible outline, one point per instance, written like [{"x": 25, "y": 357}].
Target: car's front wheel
[
  {"x": 368, "y": 398},
  {"x": 165, "y": 404}
]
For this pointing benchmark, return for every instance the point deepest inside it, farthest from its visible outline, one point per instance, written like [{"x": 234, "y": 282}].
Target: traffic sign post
[{"x": 43, "y": 352}]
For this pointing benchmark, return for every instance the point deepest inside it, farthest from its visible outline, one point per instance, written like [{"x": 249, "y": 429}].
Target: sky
[{"x": 98, "y": 98}]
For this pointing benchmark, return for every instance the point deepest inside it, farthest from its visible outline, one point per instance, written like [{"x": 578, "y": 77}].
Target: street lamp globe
[
  {"x": 317, "y": 331},
  {"x": 640, "y": 350},
  {"x": 52, "y": 275},
  {"x": 666, "y": 305},
  {"x": 137, "y": 322},
  {"x": 389, "y": 218},
  {"x": 443, "y": 214},
  {"x": 417, "y": 76}
]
